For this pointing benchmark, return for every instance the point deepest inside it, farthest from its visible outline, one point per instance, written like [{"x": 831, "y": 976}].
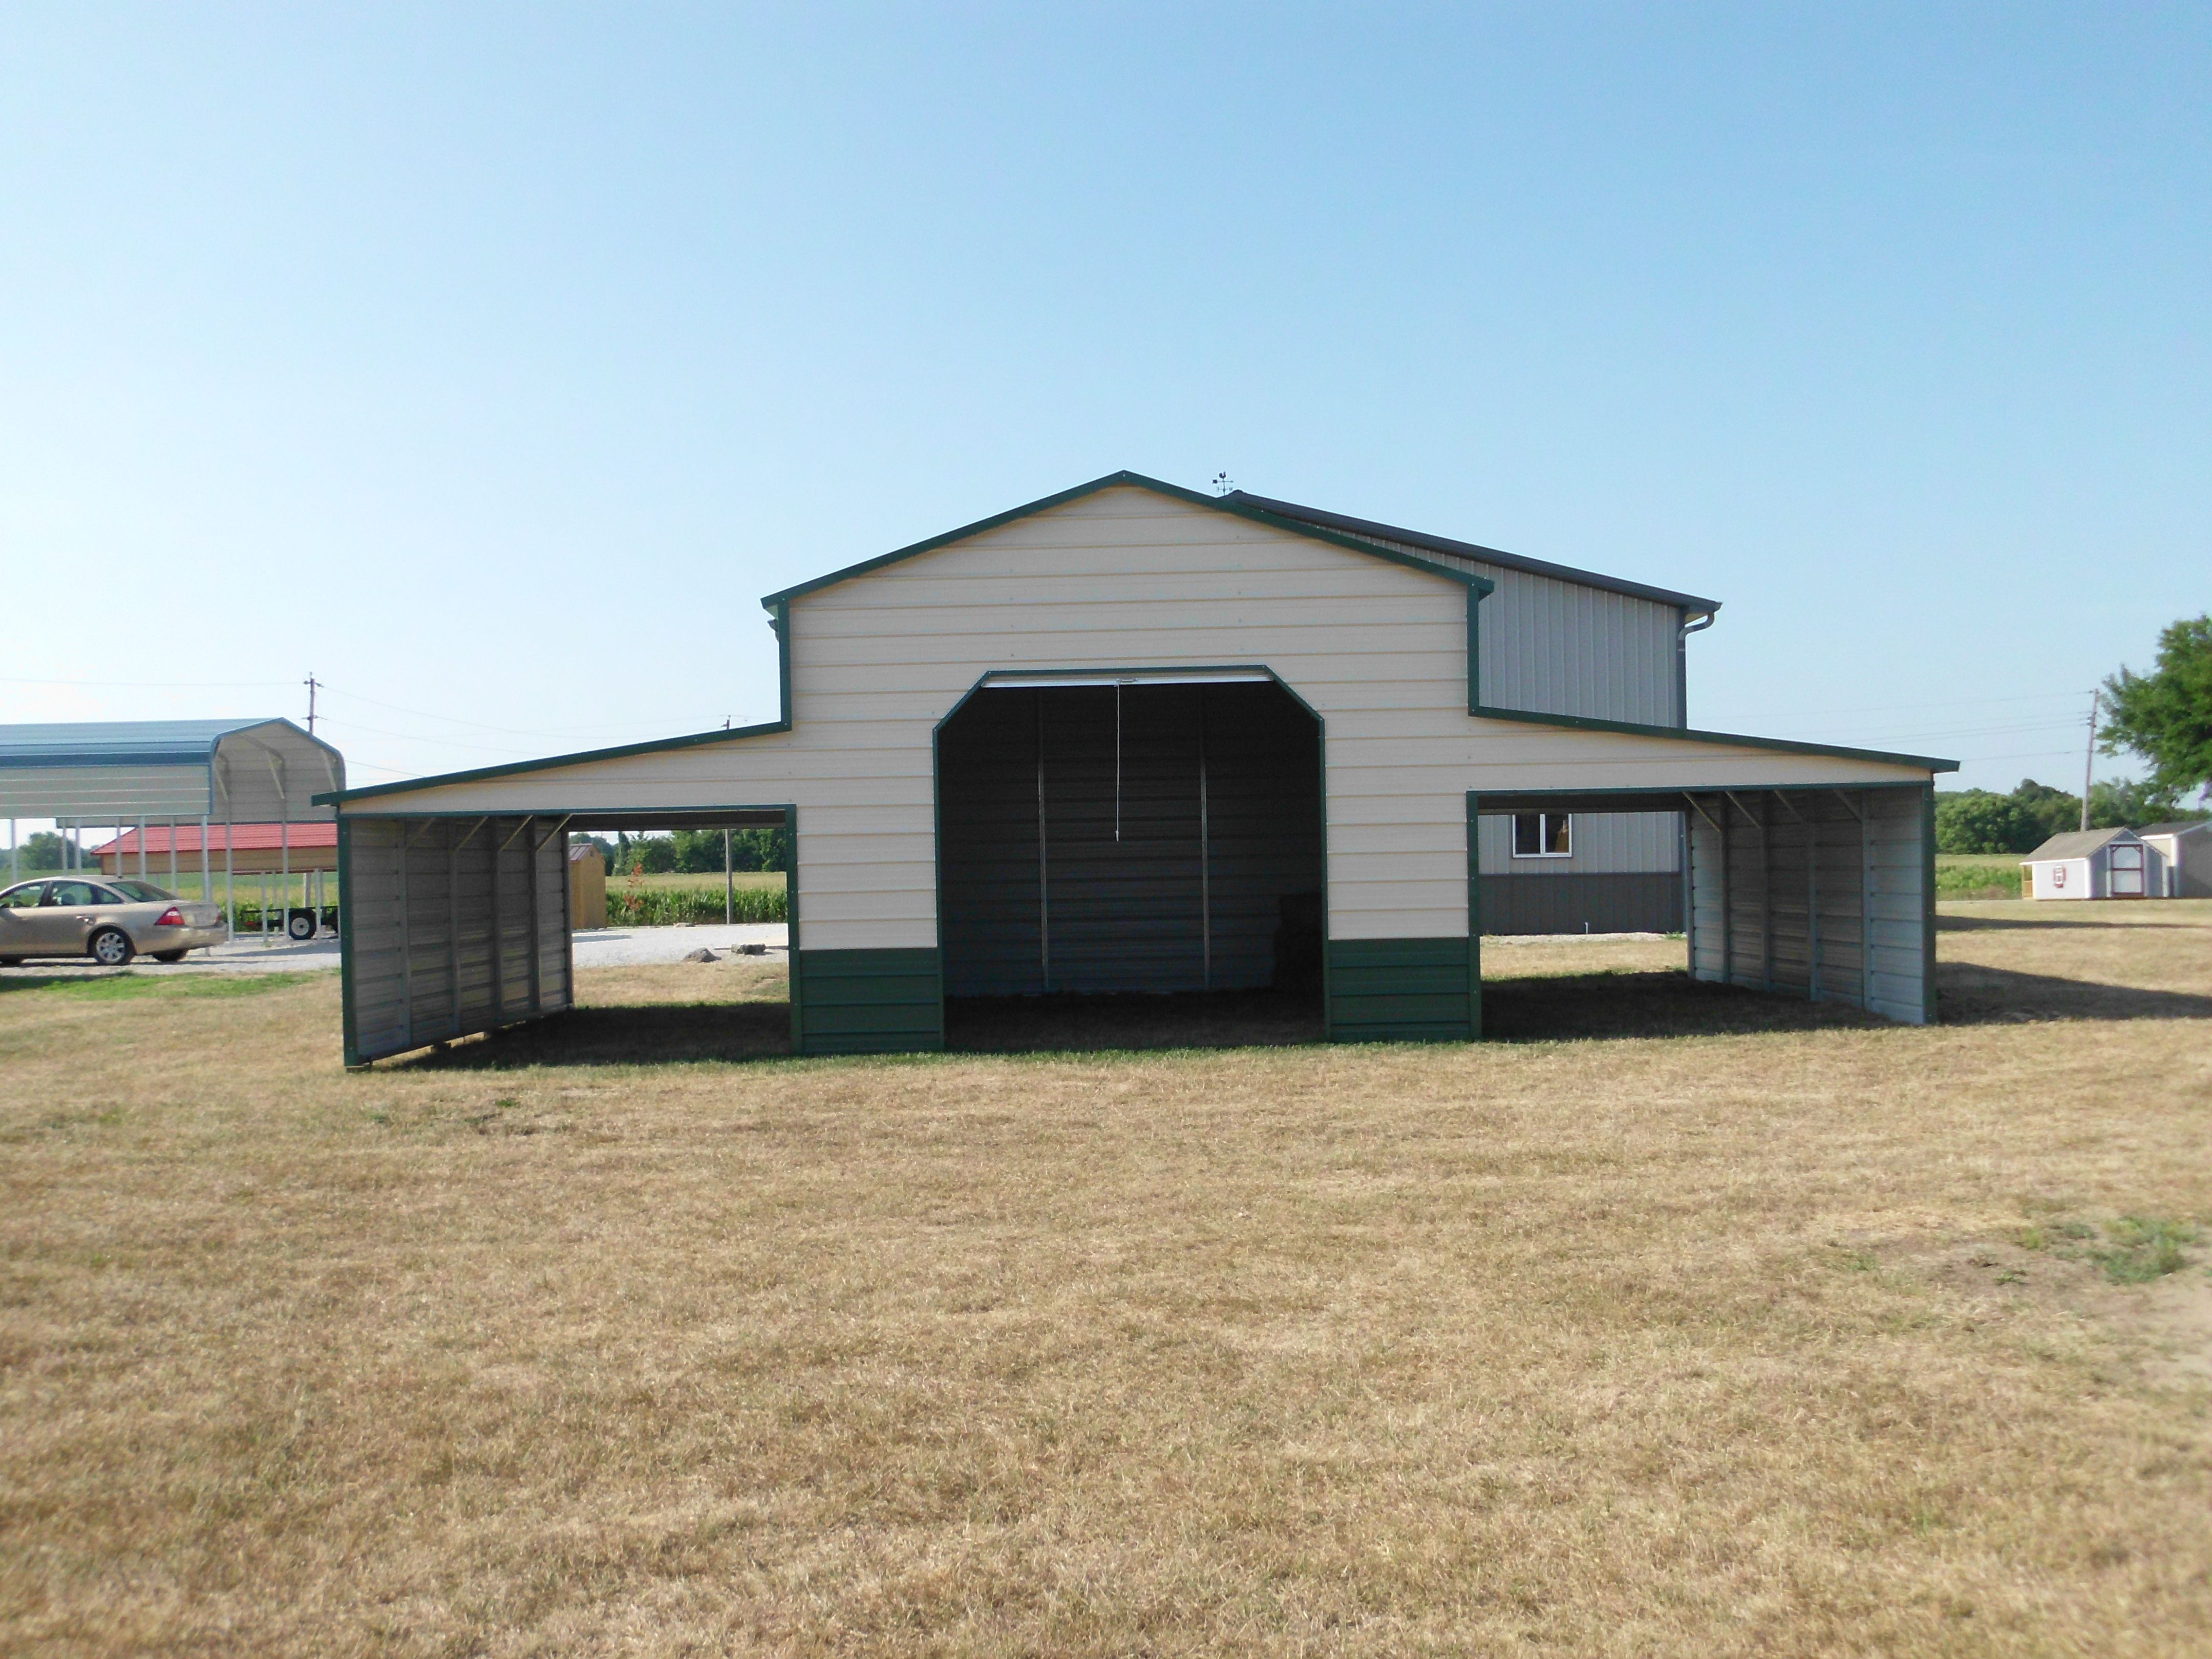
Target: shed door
[{"x": 2127, "y": 867}]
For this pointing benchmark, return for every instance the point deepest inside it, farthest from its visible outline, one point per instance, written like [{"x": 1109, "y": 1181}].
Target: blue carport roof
[{"x": 119, "y": 743}]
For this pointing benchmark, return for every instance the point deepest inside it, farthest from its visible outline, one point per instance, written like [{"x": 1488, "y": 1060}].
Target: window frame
[{"x": 1545, "y": 822}]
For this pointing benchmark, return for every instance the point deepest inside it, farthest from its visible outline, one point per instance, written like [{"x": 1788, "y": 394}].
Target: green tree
[
  {"x": 1983, "y": 821},
  {"x": 2134, "y": 805},
  {"x": 43, "y": 851},
  {"x": 2166, "y": 715},
  {"x": 2054, "y": 811}
]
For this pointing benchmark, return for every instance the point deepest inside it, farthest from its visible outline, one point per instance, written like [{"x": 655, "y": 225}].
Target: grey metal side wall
[
  {"x": 1558, "y": 647},
  {"x": 1824, "y": 894},
  {"x": 1617, "y": 902},
  {"x": 454, "y": 926}
]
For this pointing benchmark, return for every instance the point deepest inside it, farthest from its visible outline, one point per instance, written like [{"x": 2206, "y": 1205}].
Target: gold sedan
[{"x": 109, "y": 920}]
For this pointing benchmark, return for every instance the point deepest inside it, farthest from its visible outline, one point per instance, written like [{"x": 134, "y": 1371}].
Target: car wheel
[
  {"x": 168, "y": 956},
  {"x": 110, "y": 947},
  {"x": 300, "y": 924}
]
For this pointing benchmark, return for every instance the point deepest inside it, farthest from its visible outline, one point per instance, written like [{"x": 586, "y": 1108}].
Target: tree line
[
  {"x": 2164, "y": 717},
  {"x": 691, "y": 851}
]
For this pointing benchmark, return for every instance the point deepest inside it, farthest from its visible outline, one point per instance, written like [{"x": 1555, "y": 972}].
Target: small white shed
[
  {"x": 2186, "y": 847},
  {"x": 2093, "y": 864}
]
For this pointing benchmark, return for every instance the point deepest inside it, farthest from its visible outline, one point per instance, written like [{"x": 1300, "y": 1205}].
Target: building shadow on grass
[
  {"x": 1210, "y": 1019},
  {"x": 1970, "y": 994},
  {"x": 1669, "y": 1003},
  {"x": 1657, "y": 1003},
  {"x": 2038, "y": 924},
  {"x": 645, "y": 1034}
]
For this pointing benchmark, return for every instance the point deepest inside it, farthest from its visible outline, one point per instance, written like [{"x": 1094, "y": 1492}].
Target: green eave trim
[
  {"x": 1136, "y": 480},
  {"x": 1686, "y": 734},
  {"x": 411, "y": 786}
]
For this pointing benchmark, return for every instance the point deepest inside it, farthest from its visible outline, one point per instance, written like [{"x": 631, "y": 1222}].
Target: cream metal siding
[
  {"x": 485, "y": 938},
  {"x": 1126, "y": 578},
  {"x": 1822, "y": 894}
]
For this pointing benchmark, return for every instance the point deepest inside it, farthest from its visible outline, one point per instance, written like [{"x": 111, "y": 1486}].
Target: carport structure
[
  {"x": 1131, "y": 738},
  {"x": 133, "y": 774}
]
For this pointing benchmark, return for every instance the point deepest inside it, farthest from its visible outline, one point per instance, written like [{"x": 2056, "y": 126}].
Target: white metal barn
[
  {"x": 1133, "y": 738},
  {"x": 2094, "y": 863},
  {"x": 2186, "y": 849}
]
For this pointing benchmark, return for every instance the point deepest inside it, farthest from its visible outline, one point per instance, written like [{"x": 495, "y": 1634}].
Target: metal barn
[{"x": 1131, "y": 738}]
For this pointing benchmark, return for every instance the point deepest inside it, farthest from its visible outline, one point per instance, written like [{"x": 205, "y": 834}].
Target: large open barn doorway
[{"x": 1112, "y": 841}]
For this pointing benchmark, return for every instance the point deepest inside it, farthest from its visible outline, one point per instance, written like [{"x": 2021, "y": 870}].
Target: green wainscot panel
[
  {"x": 867, "y": 1002},
  {"x": 1403, "y": 990}
]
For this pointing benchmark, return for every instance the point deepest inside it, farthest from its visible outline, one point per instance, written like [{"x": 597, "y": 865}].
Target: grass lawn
[{"x": 1789, "y": 1332}]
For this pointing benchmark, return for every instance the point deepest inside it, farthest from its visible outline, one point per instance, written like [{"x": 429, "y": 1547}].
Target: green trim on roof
[
  {"x": 477, "y": 774},
  {"x": 1687, "y": 734},
  {"x": 1135, "y": 480}
]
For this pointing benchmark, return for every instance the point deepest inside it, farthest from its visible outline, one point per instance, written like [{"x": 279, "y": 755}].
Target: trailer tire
[{"x": 299, "y": 924}]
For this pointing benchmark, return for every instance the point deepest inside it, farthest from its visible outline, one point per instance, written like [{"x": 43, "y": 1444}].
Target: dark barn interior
[{"x": 1104, "y": 840}]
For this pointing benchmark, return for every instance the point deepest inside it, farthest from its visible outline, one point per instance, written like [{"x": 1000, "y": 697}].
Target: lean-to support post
[
  {"x": 1204, "y": 856},
  {"x": 1044, "y": 863}
]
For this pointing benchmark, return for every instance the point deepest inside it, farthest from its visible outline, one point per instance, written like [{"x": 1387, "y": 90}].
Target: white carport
[{"x": 132, "y": 774}]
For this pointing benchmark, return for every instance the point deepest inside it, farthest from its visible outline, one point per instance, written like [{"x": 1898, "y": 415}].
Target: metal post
[
  {"x": 1205, "y": 854},
  {"x": 729, "y": 883},
  {"x": 498, "y": 933},
  {"x": 403, "y": 845},
  {"x": 1866, "y": 900},
  {"x": 207, "y": 877},
  {"x": 142, "y": 847},
  {"x": 284, "y": 836},
  {"x": 1813, "y": 908},
  {"x": 229, "y": 878},
  {"x": 172, "y": 855},
  {"x": 1728, "y": 896},
  {"x": 1044, "y": 872},
  {"x": 534, "y": 850},
  {"x": 14, "y": 855},
  {"x": 453, "y": 932},
  {"x": 1767, "y": 891}
]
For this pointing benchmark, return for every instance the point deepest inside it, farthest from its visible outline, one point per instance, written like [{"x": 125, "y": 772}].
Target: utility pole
[
  {"x": 311, "y": 705},
  {"x": 2089, "y": 759}
]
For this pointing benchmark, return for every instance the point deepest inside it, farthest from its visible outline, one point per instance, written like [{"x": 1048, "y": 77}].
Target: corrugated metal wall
[
  {"x": 451, "y": 925},
  {"x": 1822, "y": 893},
  {"x": 1219, "y": 807}
]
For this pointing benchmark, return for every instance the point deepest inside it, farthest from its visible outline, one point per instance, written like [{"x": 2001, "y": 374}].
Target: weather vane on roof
[{"x": 1223, "y": 484}]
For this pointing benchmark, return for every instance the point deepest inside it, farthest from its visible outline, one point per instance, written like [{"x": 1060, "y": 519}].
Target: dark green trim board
[
  {"x": 1473, "y": 923},
  {"x": 868, "y": 1002},
  {"x": 1686, "y": 734},
  {"x": 1228, "y": 504},
  {"x": 1403, "y": 990},
  {"x": 1474, "y": 597},
  {"x": 513, "y": 768},
  {"x": 352, "y": 1059},
  {"x": 791, "y": 988},
  {"x": 1480, "y": 554}
]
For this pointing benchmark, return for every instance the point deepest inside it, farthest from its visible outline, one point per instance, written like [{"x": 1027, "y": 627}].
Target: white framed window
[{"x": 1543, "y": 834}]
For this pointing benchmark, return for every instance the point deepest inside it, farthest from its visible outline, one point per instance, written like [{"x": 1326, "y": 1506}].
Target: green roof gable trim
[
  {"x": 1228, "y": 504},
  {"x": 1687, "y": 734}
]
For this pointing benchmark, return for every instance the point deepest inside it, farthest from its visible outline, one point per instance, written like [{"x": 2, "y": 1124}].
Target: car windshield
[{"x": 141, "y": 892}]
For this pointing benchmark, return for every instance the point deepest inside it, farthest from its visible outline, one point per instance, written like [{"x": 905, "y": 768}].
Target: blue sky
[{"x": 490, "y": 363}]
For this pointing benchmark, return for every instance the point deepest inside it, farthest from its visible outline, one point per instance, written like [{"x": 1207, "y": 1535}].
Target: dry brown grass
[{"x": 1717, "y": 1343}]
